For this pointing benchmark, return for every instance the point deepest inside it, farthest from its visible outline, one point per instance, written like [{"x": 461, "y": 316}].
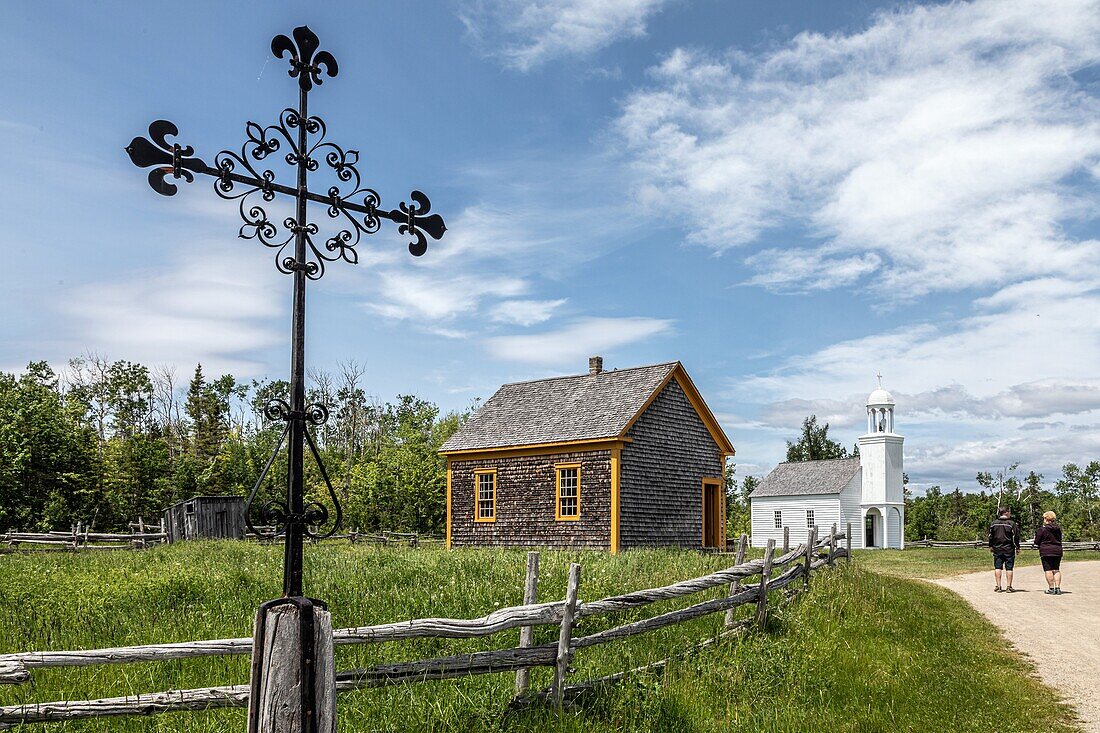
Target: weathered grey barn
[
  {"x": 608, "y": 459},
  {"x": 205, "y": 517}
]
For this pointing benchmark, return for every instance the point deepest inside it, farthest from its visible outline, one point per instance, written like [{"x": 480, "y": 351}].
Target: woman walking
[{"x": 1048, "y": 539}]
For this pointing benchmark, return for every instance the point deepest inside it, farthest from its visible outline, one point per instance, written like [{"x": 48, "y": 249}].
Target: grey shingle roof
[
  {"x": 581, "y": 407},
  {"x": 800, "y": 478}
]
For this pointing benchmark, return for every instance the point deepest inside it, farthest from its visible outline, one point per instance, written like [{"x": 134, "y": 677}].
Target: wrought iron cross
[{"x": 238, "y": 176}]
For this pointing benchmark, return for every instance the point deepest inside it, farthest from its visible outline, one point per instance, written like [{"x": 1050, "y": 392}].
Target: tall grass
[{"x": 861, "y": 652}]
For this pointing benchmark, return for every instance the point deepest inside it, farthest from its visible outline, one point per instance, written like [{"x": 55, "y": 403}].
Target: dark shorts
[
  {"x": 1002, "y": 560},
  {"x": 1052, "y": 563}
]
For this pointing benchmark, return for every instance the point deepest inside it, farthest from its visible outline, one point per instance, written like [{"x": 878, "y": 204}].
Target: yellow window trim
[
  {"x": 557, "y": 496},
  {"x": 482, "y": 472}
]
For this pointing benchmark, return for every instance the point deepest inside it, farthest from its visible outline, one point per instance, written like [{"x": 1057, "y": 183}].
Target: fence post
[
  {"x": 762, "y": 601},
  {"x": 527, "y": 633},
  {"x": 811, "y": 540},
  {"x": 566, "y": 636},
  {"x": 848, "y": 545},
  {"x": 735, "y": 586},
  {"x": 276, "y": 702},
  {"x": 832, "y": 543},
  {"x": 786, "y": 540}
]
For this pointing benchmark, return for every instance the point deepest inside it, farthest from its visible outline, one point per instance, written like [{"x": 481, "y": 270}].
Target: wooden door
[{"x": 712, "y": 514}]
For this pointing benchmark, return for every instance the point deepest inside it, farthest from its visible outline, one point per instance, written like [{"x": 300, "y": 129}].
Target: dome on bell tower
[
  {"x": 880, "y": 397},
  {"x": 880, "y": 410}
]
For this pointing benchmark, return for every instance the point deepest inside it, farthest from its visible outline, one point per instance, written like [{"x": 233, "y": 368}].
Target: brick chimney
[{"x": 595, "y": 364}]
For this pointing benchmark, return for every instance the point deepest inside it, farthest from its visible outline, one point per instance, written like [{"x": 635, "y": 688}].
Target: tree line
[
  {"x": 105, "y": 442},
  {"x": 953, "y": 515}
]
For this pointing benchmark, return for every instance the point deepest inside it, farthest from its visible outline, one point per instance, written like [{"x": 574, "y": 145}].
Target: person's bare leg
[
  {"x": 1057, "y": 578},
  {"x": 997, "y": 575},
  {"x": 1050, "y": 578},
  {"x": 1008, "y": 574}
]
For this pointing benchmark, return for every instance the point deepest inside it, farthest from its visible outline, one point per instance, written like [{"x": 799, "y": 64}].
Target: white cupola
[{"x": 880, "y": 411}]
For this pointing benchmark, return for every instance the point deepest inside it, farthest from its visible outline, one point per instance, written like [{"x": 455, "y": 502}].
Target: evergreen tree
[{"x": 814, "y": 443}]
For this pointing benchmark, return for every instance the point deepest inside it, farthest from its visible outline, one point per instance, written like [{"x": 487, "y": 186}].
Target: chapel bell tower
[{"x": 880, "y": 456}]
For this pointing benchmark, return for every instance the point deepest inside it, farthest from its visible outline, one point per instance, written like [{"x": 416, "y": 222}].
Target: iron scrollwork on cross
[
  {"x": 315, "y": 516},
  {"x": 303, "y": 248}
]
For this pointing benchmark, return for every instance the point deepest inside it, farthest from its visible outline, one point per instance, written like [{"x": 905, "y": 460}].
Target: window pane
[
  {"x": 486, "y": 495},
  {"x": 778, "y": 519},
  {"x": 568, "y": 492}
]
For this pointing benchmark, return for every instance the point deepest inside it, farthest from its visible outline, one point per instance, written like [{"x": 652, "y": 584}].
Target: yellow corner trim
[
  {"x": 616, "y": 456},
  {"x": 448, "y": 503}
]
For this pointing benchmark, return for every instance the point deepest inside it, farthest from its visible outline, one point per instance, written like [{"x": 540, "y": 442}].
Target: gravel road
[{"x": 1061, "y": 634}]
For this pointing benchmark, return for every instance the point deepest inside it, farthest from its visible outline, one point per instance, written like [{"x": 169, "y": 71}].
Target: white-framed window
[
  {"x": 485, "y": 495},
  {"x": 778, "y": 519},
  {"x": 568, "y": 501},
  {"x": 810, "y": 519}
]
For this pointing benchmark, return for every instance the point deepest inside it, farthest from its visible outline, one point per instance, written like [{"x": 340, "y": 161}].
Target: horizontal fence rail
[
  {"x": 1024, "y": 545},
  {"x": 141, "y": 535},
  {"x": 797, "y": 564}
]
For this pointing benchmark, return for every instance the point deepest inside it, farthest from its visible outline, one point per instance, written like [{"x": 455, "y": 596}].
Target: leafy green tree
[
  {"x": 48, "y": 461},
  {"x": 814, "y": 443}
]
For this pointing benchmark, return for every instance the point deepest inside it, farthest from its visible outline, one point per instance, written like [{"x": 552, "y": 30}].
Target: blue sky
[{"x": 788, "y": 197}]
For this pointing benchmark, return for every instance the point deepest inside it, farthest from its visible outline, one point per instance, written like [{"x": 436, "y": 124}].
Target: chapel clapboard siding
[
  {"x": 526, "y": 493},
  {"x": 663, "y": 467}
]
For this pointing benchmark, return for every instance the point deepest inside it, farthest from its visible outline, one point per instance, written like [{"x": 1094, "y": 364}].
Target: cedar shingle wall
[
  {"x": 526, "y": 492},
  {"x": 662, "y": 474}
]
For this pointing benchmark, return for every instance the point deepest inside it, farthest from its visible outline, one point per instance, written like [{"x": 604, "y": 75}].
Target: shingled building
[{"x": 608, "y": 460}]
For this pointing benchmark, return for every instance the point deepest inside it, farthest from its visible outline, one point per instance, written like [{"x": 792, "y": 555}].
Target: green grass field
[
  {"x": 940, "y": 562},
  {"x": 863, "y": 651}
]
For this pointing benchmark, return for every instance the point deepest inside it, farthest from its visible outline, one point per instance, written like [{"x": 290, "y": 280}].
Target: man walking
[{"x": 1004, "y": 543}]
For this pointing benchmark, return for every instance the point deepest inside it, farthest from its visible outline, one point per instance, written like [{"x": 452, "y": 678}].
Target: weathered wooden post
[
  {"x": 762, "y": 601},
  {"x": 735, "y": 586},
  {"x": 561, "y": 668},
  {"x": 848, "y": 544},
  {"x": 786, "y": 540},
  {"x": 527, "y": 633},
  {"x": 282, "y": 700},
  {"x": 811, "y": 540},
  {"x": 832, "y": 543}
]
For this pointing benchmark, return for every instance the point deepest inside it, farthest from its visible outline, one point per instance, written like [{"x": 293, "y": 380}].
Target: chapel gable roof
[
  {"x": 576, "y": 408},
  {"x": 804, "y": 478}
]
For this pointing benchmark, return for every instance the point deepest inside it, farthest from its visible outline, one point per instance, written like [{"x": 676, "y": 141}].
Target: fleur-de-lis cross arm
[
  {"x": 170, "y": 159},
  {"x": 305, "y": 61}
]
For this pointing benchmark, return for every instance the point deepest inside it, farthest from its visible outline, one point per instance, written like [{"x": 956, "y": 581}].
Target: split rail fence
[
  {"x": 141, "y": 535},
  {"x": 776, "y": 573},
  {"x": 1025, "y": 545},
  {"x": 268, "y": 535}
]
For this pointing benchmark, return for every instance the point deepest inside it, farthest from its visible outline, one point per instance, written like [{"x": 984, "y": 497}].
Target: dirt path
[{"x": 1061, "y": 634}]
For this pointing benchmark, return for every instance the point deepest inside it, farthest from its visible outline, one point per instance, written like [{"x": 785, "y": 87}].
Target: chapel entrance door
[{"x": 869, "y": 534}]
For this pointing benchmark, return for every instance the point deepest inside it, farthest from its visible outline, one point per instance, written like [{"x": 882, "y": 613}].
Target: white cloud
[
  {"x": 215, "y": 307},
  {"x": 1014, "y": 381},
  {"x": 524, "y": 35},
  {"x": 525, "y": 312},
  {"x": 433, "y": 297},
  {"x": 580, "y": 339},
  {"x": 1024, "y": 334},
  {"x": 936, "y": 148}
]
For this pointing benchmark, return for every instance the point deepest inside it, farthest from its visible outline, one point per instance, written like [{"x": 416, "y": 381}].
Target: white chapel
[{"x": 866, "y": 491}]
